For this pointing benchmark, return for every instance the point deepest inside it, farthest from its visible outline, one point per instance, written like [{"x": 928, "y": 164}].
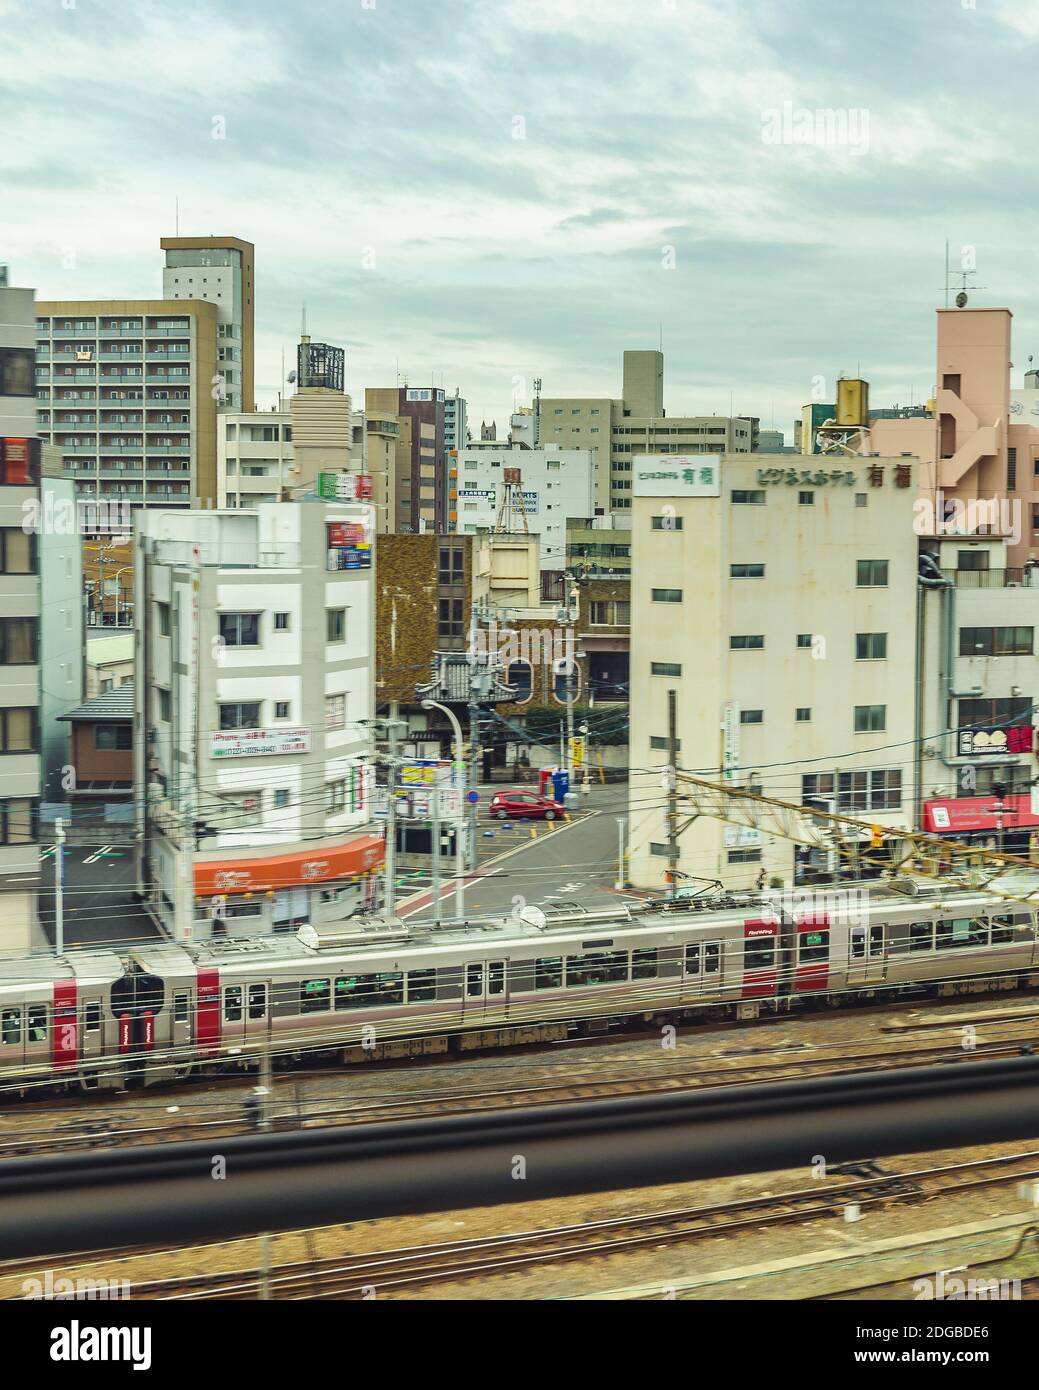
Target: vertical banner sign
[{"x": 730, "y": 741}]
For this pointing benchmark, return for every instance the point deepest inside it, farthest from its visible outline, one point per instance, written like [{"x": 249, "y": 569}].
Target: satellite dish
[{"x": 961, "y": 299}]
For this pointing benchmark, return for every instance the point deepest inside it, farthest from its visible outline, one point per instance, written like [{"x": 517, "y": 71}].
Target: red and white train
[{"x": 159, "y": 1012}]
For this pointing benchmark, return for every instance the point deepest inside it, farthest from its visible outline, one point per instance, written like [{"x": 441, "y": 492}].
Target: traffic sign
[{"x": 472, "y": 797}]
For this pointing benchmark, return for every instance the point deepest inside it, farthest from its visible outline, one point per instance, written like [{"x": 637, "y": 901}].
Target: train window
[
  {"x": 180, "y": 1007},
  {"x": 1002, "y": 930},
  {"x": 422, "y": 984},
  {"x": 712, "y": 952},
  {"x": 961, "y": 931},
  {"x": 257, "y": 1001},
  {"x": 921, "y": 936},
  {"x": 92, "y": 1018},
  {"x": 370, "y": 991},
  {"x": 496, "y": 977},
  {"x": 597, "y": 968},
  {"x": 876, "y": 941},
  {"x": 473, "y": 981},
  {"x": 644, "y": 964},
  {"x": 36, "y": 1024},
  {"x": 315, "y": 996},
  {"x": 11, "y": 1027},
  {"x": 692, "y": 958},
  {"x": 232, "y": 1003},
  {"x": 813, "y": 945},
  {"x": 759, "y": 953},
  {"x": 548, "y": 972},
  {"x": 858, "y": 943}
]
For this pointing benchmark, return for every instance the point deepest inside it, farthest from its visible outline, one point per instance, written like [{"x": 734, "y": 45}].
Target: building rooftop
[{"x": 112, "y": 704}]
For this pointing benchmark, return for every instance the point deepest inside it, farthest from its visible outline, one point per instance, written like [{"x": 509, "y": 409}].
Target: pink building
[{"x": 979, "y": 471}]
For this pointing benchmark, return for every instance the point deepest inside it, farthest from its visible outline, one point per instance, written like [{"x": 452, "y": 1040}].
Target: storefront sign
[
  {"x": 258, "y": 743},
  {"x": 985, "y": 742},
  {"x": 358, "y": 856},
  {"x": 345, "y": 487},
  {"x": 677, "y": 475},
  {"x": 961, "y": 814}
]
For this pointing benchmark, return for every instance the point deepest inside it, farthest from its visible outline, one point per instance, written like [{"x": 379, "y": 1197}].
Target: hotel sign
[
  {"x": 258, "y": 743},
  {"x": 677, "y": 475}
]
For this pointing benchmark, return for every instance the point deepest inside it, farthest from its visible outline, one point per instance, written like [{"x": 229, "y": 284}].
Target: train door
[
  {"x": 91, "y": 1030},
  {"x": 257, "y": 1010},
  {"x": 485, "y": 989},
  {"x": 702, "y": 967},
  {"x": 760, "y": 967},
  {"x": 232, "y": 1013},
  {"x": 182, "y": 1023},
  {"x": 866, "y": 955}
]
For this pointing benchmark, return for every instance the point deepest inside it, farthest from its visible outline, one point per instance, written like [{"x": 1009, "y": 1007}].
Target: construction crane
[{"x": 917, "y": 851}]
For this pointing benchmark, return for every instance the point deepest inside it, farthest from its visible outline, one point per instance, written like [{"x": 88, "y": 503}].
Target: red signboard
[
  {"x": 357, "y": 856},
  {"x": 950, "y": 815}
]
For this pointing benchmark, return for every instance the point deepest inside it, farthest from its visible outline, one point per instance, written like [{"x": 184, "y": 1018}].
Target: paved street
[{"x": 99, "y": 903}]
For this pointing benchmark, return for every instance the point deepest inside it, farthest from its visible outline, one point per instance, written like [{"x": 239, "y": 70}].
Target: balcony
[{"x": 1018, "y": 578}]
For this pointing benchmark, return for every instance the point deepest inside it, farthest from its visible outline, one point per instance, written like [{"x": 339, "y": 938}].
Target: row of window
[
  {"x": 870, "y": 790},
  {"x": 246, "y": 714},
  {"x": 243, "y": 629},
  {"x": 869, "y": 574},
  {"x": 997, "y": 641}
]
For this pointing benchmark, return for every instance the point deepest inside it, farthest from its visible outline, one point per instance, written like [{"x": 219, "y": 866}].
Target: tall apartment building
[
  {"x": 126, "y": 395},
  {"x": 253, "y": 456},
  {"x": 635, "y": 424},
  {"x": 20, "y": 621},
  {"x": 456, "y": 425},
  {"x": 253, "y": 688},
  {"x": 533, "y": 490},
  {"x": 778, "y": 603},
  {"x": 423, "y": 501},
  {"x": 220, "y": 270}
]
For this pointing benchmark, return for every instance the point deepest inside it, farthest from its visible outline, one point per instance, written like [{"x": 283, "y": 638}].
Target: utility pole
[
  {"x": 457, "y": 758},
  {"x": 474, "y": 732},
  {"x": 59, "y": 886},
  {"x": 672, "y": 791},
  {"x": 390, "y": 862},
  {"x": 434, "y": 794},
  {"x": 621, "y": 875}
]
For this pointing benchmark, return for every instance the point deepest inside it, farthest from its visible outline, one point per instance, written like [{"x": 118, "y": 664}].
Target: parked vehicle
[{"x": 527, "y": 805}]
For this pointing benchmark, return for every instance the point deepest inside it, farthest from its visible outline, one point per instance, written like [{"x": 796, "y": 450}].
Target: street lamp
[{"x": 457, "y": 757}]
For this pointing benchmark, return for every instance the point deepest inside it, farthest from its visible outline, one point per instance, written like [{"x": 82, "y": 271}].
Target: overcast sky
[{"x": 480, "y": 192}]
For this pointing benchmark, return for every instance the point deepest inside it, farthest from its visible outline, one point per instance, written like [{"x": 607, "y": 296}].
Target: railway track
[
  {"x": 374, "y": 1274},
  {"x": 112, "y": 1130}
]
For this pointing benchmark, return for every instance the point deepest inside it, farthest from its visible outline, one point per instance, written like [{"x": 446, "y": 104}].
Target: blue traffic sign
[{"x": 472, "y": 797}]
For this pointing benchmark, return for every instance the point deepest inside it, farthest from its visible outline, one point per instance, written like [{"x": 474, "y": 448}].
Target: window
[
  {"x": 240, "y": 629},
  {"x": 109, "y": 738},
  {"x": 163, "y": 611},
  {"x": 744, "y": 856},
  {"x": 36, "y": 1024},
  {"x": 450, "y": 620},
  {"x": 451, "y": 569},
  {"x": 232, "y": 1003},
  {"x": 18, "y": 730},
  {"x": 17, "y": 371},
  {"x": 804, "y": 641},
  {"x": 871, "y": 574},
  {"x": 257, "y": 1001},
  {"x": 335, "y": 798},
  {"x": 806, "y": 499},
  {"x": 240, "y": 715},
  {"x": 747, "y": 642},
  {"x": 596, "y": 968},
  {"x": 813, "y": 946},
  {"x": 861, "y": 499},
  {"x": 753, "y": 497},
  {"x": 659, "y": 744},
  {"x": 752, "y": 716},
  {"x": 18, "y": 821},
  {"x": 997, "y": 641},
  {"x": 371, "y": 991},
  {"x": 1011, "y": 470},
  {"x": 281, "y": 709},
  {"x": 11, "y": 1027},
  {"x": 314, "y": 996},
  {"x": 870, "y": 719},
  {"x": 335, "y": 711},
  {"x": 92, "y": 1018},
  {"x": 164, "y": 701},
  {"x": 17, "y": 551},
  {"x": 692, "y": 958},
  {"x": 803, "y": 714},
  {"x": 1012, "y": 710},
  {"x": 644, "y": 963},
  {"x": 422, "y": 985},
  {"x": 19, "y": 461},
  {"x": 667, "y": 523},
  {"x": 19, "y": 641},
  {"x": 496, "y": 977},
  {"x": 609, "y": 613},
  {"x": 870, "y": 646},
  {"x": 665, "y": 668},
  {"x": 666, "y": 595},
  {"x": 548, "y": 972},
  {"x": 759, "y": 952},
  {"x": 961, "y": 931},
  {"x": 335, "y": 624},
  {"x": 281, "y": 798},
  {"x": 519, "y": 674},
  {"x": 281, "y": 622},
  {"x": 747, "y": 571}
]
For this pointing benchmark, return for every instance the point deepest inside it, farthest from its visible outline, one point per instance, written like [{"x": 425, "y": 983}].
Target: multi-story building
[
  {"x": 126, "y": 395},
  {"x": 20, "y": 621},
  {"x": 423, "y": 501},
  {"x": 456, "y": 426},
  {"x": 777, "y": 603},
  {"x": 636, "y": 424},
  {"x": 253, "y": 689},
  {"x": 60, "y": 549},
  {"x": 220, "y": 270},
  {"x": 531, "y": 490},
  {"x": 254, "y": 457}
]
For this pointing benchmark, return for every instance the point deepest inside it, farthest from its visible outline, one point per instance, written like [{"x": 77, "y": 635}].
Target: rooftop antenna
[{"x": 961, "y": 296}]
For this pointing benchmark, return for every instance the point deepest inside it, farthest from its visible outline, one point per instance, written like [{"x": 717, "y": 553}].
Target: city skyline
[{"x": 552, "y": 195}]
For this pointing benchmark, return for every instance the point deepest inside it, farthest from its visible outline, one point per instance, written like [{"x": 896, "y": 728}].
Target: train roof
[{"x": 87, "y": 968}]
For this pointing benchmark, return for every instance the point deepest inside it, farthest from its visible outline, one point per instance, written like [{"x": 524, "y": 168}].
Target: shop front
[
  {"x": 282, "y": 892},
  {"x": 1008, "y": 823}
]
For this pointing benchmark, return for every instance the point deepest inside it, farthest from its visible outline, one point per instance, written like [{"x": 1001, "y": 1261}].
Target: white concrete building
[
  {"x": 253, "y": 685},
  {"x": 779, "y": 604},
  {"x": 550, "y": 485},
  {"x": 253, "y": 457}
]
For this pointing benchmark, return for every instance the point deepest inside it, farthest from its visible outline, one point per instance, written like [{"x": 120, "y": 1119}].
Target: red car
[{"x": 526, "y": 804}]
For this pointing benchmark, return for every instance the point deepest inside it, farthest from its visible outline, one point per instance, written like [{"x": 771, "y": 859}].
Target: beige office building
[
  {"x": 636, "y": 424},
  {"x": 779, "y": 604}
]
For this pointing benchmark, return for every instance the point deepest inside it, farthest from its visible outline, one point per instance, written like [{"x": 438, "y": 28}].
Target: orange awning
[{"x": 358, "y": 856}]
